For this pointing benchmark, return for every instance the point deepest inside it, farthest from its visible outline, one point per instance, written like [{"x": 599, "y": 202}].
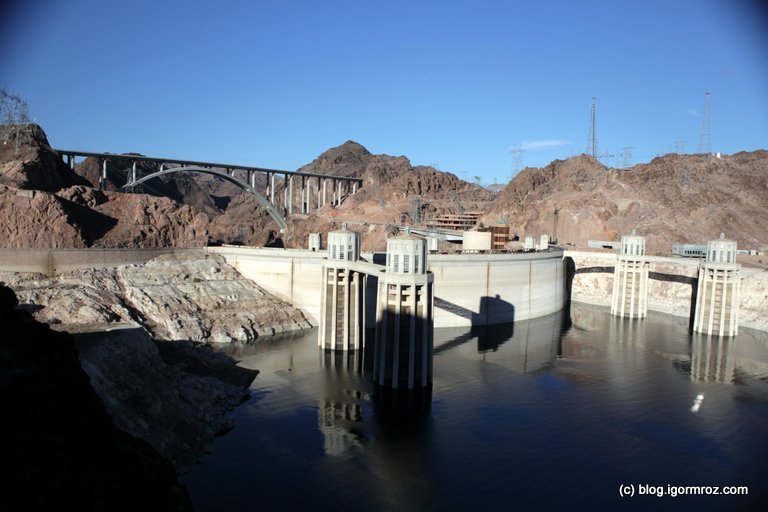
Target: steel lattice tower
[
  {"x": 705, "y": 139},
  {"x": 592, "y": 137}
]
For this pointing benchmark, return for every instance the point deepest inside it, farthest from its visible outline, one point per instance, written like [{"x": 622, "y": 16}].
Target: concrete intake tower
[{"x": 404, "y": 317}]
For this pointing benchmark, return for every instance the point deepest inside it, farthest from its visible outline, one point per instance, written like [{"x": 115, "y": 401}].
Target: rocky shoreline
[{"x": 138, "y": 335}]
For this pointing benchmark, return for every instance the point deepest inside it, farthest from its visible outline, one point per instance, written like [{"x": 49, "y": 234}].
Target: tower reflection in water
[
  {"x": 340, "y": 408},
  {"x": 712, "y": 358}
]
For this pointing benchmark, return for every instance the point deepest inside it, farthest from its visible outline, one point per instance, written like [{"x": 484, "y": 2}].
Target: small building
[
  {"x": 689, "y": 250},
  {"x": 476, "y": 241},
  {"x": 456, "y": 221},
  {"x": 315, "y": 242},
  {"x": 499, "y": 236}
]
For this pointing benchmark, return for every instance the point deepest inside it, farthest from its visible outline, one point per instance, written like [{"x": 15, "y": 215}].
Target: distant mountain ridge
[{"x": 674, "y": 198}]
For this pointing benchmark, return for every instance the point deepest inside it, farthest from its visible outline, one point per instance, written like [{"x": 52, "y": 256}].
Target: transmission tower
[
  {"x": 626, "y": 154},
  {"x": 705, "y": 139},
  {"x": 517, "y": 160},
  {"x": 592, "y": 137}
]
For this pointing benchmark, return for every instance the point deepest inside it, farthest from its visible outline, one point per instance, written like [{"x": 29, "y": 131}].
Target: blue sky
[{"x": 455, "y": 84}]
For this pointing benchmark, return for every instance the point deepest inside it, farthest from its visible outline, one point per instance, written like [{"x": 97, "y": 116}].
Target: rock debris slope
[{"x": 202, "y": 300}]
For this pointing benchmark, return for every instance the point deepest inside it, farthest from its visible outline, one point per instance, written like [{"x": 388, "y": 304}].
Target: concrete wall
[
  {"x": 479, "y": 288},
  {"x": 291, "y": 275},
  {"x": 56, "y": 261},
  {"x": 496, "y": 288}
]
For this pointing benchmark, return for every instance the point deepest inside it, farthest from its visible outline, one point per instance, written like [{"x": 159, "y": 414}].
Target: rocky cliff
[
  {"x": 134, "y": 326},
  {"x": 61, "y": 449},
  {"x": 674, "y": 198},
  {"x": 28, "y": 162}
]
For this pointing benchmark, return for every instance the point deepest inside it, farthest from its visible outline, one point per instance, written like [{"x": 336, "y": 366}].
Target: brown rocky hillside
[
  {"x": 674, "y": 198},
  {"x": 43, "y": 204},
  {"x": 27, "y": 161}
]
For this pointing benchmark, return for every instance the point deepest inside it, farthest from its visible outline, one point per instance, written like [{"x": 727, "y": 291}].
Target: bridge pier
[
  {"x": 290, "y": 195},
  {"x": 272, "y": 189},
  {"x": 103, "y": 180},
  {"x": 404, "y": 317},
  {"x": 342, "y": 301},
  {"x": 325, "y": 195},
  {"x": 630, "y": 279},
  {"x": 717, "y": 297}
]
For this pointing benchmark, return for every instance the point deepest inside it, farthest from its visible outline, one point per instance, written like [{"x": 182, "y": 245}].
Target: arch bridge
[{"x": 243, "y": 176}]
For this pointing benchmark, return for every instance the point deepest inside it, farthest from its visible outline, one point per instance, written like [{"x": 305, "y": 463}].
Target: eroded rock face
[
  {"x": 674, "y": 198},
  {"x": 203, "y": 300},
  {"x": 79, "y": 216},
  {"x": 177, "y": 411},
  {"x": 37, "y": 219},
  {"x": 28, "y": 162}
]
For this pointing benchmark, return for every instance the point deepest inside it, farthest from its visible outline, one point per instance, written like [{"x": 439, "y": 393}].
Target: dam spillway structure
[
  {"x": 342, "y": 305},
  {"x": 404, "y": 317},
  {"x": 630, "y": 279},
  {"x": 717, "y": 295}
]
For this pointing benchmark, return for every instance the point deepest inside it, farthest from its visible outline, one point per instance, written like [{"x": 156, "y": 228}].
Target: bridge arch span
[{"x": 278, "y": 218}]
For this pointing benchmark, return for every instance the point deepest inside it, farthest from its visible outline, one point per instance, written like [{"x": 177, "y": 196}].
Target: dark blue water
[{"x": 549, "y": 414}]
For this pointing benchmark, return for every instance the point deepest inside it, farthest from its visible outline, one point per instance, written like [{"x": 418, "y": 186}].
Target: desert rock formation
[
  {"x": 674, "y": 198},
  {"x": 201, "y": 299}
]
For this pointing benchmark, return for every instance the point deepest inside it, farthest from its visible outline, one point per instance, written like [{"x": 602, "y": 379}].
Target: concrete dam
[{"x": 469, "y": 289}]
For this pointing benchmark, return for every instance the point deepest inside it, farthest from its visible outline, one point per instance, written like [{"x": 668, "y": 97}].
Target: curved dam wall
[
  {"x": 470, "y": 289},
  {"x": 484, "y": 289}
]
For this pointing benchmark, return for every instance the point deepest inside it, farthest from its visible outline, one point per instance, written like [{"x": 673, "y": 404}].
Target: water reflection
[
  {"x": 340, "y": 402},
  {"x": 524, "y": 347},
  {"x": 512, "y": 411},
  {"x": 712, "y": 359}
]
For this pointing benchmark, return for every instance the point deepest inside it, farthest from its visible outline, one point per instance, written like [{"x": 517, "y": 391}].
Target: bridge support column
[
  {"x": 304, "y": 196},
  {"x": 103, "y": 180},
  {"x": 319, "y": 204},
  {"x": 342, "y": 312},
  {"x": 338, "y": 198},
  {"x": 290, "y": 194},
  {"x": 252, "y": 180},
  {"x": 71, "y": 162},
  {"x": 325, "y": 195},
  {"x": 404, "y": 317},
  {"x": 272, "y": 188},
  {"x": 133, "y": 172},
  {"x": 354, "y": 187},
  {"x": 717, "y": 297},
  {"x": 630, "y": 279}
]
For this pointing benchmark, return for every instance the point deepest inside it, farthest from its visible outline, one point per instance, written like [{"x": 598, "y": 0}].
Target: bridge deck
[{"x": 185, "y": 163}]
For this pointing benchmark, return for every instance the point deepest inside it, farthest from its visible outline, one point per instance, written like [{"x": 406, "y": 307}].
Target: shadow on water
[{"x": 489, "y": 337}]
